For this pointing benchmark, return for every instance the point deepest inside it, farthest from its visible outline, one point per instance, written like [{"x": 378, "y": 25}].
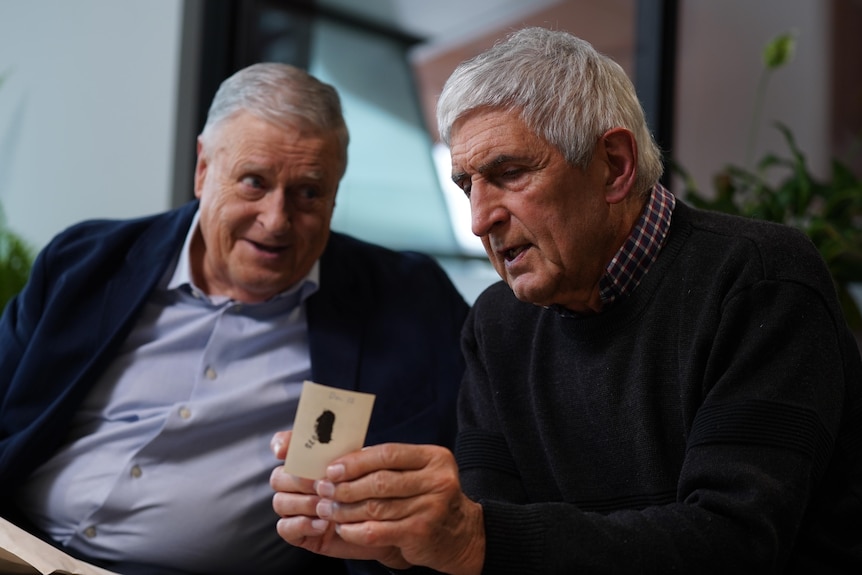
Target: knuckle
[
  {"x": 379, "y": 484},
  {"x": 375, "y": 509},
  {"x": 444, "y": 482},
  {"x": 369, "y": 535},
  {"x": 388, "y": 455}
]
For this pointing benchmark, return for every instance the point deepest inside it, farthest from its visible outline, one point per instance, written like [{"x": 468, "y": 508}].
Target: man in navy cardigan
[{"x": 146, "y": 365}]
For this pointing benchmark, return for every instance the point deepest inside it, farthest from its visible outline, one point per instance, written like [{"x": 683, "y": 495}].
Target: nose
[
  {"x": 274, "y": 214},
  {"x": 486, "y": 209}
]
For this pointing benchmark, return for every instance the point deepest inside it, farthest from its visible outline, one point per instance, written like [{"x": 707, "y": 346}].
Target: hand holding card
[{"x": 330, "y": 422}]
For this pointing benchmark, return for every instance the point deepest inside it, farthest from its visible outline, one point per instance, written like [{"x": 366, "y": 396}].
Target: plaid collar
[{"x": 631, "y": 263}]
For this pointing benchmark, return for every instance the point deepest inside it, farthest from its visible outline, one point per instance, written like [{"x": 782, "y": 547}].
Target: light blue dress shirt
[{"x": 168, "y": 458}]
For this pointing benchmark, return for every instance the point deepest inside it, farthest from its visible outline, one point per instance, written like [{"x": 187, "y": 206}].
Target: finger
[
  {"x": 281, "y": 480},
  {"x": 302, "y": 531},
  {"x": 369, "y": 510},
  {"x": 293, "y": 504},
  {"x": 439, "y": 475},
  {"x": 370, "y": 533},
  {"x": 376, "y": 485},
  {"x": 279, "y": 443},
  {"x": 380, "y": 536},
  {"x": 320, "y": 536},
  {"x": 398, "y": 456},
  {"x": 438, "y": 537}
]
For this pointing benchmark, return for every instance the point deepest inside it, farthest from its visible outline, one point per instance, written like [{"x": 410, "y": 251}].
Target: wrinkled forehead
[
  {"x": 223, "y": 133},
  {"x": 485, "y": 131}
]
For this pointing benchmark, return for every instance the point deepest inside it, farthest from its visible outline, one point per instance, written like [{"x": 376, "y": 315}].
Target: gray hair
[
  {"x": 564, "y": 90},
  {"x": 281, "y": 94}
]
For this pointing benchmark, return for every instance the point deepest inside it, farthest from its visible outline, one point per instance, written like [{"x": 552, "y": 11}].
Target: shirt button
[
  {"x": 211, "y": 373},
  {"x": 136, "y": 471},
  {"x": 237, "y": 308},
  {"x": 185, "y": 412},
  {"x": 90, "y": 532}
]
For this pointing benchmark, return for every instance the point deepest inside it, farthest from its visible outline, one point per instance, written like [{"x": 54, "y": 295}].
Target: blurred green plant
[
  {"x": 777, "y": 53},
  {"x": 783, "y": 189},
  {"x": 16, "y": 257}
]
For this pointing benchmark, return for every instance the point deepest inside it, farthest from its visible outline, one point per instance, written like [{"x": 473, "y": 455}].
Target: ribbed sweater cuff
[{"x": 512, "y": 550}]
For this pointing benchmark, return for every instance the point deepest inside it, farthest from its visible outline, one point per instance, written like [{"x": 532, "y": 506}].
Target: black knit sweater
[{"x": 710, "y": 423}]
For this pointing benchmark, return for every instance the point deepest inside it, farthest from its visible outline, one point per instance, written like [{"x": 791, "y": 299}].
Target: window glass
[
  {"x": 396, "y": 191},
  {"x": 390, "y": 193}
]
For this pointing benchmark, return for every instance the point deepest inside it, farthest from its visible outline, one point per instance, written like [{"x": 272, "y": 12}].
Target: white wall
[
  {"x": 718, "y": 68},
  {"x": 87, "y": 110}
]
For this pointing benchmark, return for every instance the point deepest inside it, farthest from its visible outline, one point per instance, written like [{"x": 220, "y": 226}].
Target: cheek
[
  {"x": 226, "y": 220},
  {"x": 486, "y": 243},
  {"x": 312, "y": 229},
  {"x": 496, "y": 262},
  {"x": 566, "y": 248}
]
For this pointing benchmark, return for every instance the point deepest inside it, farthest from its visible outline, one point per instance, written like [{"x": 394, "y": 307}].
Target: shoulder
[
  {"x": 727, "y": 256},
  {"x": 88, "y": 253},
  {"x": 776, "y": 251},
  {"x": 106, "y": 236}
]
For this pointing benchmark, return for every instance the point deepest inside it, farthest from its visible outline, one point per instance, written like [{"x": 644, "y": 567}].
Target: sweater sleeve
[{"x": 769, "y": 405}]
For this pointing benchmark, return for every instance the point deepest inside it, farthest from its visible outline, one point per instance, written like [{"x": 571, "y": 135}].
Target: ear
[
  {"x": 200, "y": 169},
  {"x": 621, "y": 153}
]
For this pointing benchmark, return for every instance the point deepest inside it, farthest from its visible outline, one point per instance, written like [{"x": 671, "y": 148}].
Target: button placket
[{"x": 217, "y": 345}]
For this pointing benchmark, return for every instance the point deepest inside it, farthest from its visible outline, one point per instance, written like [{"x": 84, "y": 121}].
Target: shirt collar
[
  {"x": 181, "y": 279},
  {"x": 632, "y": 261}
]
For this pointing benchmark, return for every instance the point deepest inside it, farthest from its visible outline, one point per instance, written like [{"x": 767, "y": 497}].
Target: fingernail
[
  {"x": 319, "y": 524},
  {"x": 324, "y": 508},
  {"x": 325, "y": 488},
  {"x": 276, "y": 444},
  {"x": 335, "y": 472}
]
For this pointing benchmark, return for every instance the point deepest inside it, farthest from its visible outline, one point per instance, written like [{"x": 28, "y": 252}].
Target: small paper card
[{"x": 330, "y": 422}]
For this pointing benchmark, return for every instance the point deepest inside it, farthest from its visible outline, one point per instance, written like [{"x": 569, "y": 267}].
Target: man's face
[
  {"x": 266, "y": 193},
  {"x": 547, "y": 226}
]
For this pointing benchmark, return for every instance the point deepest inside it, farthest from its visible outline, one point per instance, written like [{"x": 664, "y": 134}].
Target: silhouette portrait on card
[{"x": 323, "y": 427}]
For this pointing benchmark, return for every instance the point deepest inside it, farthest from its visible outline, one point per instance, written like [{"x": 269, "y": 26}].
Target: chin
[{"x": 529, "y": 294}]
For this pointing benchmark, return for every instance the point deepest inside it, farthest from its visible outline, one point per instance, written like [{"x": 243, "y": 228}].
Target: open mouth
[
  {"x": 268, "y": 249},
  {"x": 512, "y": 253}
]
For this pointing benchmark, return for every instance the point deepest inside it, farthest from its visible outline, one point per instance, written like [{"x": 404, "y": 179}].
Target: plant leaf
[{"x": 779, "y": 51}]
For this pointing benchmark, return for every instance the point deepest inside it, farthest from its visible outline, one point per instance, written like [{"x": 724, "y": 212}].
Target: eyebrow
[
  {"x": 489, "y": 166},
  {"x": 253, "y": 167},
  {"x": 313, "y": 174}
]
